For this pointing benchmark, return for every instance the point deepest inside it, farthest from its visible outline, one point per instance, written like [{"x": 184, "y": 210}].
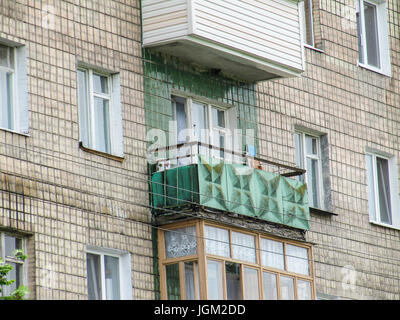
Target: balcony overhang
[{"x": 240, "y": 40}]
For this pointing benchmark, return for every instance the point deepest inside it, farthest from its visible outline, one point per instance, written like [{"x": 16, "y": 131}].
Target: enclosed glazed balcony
[
  {"x": 201, "y": 175},
  {"x": 249, "y": 40}
]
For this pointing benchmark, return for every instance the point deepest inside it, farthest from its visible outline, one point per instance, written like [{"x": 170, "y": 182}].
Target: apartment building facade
[
  {"x": 73, "y": 168},
  {"x": 201, "y": 149},
  {"x": 335, "y": 118},
  {"x": 347, "y": 100}
]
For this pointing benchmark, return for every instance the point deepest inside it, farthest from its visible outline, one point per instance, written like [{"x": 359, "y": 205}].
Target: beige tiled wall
[
  {"x": 66, "y": 198},
  {"x": 356, "y": 108},
  {"x": 63, "y": 197}
]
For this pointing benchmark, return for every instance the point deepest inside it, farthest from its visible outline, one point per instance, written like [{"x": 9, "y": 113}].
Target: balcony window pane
[
  {"x": 287, "y": 288},
  {"x": 173, "y": 282},
  {"x": 269, "y": 284},
  {"x": 243, "y": 247},
  {"x": 371, "y": 34},
  {"x": 221, "y": 144},
  {"x": 111, "y": 272},
  {"x": 190, "y": 269},
  {"x": 94, "y": 277},
  {"x": 218, "y": 117},
  {"x": 218, "y": 142},
  {"x": 384, "y": 190},
  {"x": 215, "y": 280},
  {"x": 251, "y": 284},
  {"x": 233, "y": 283},
  {"x": 200, "y": 127},
  {"x": 297, "y": 259},
  {"x": 217, "y": 241},
  {"x": 180, "y": 242},
  {"x": 272, "y": 253},
  {"x": 304, "y": 290},
  {"x": 199, "y": 119},
  {"x": 181, "y": 121}
]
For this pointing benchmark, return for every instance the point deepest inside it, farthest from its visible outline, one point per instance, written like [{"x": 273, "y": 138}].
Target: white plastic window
[
  {"x": 13, "y": 89},
  {"x": 382, "y": 188},
  {"x": 100, "y": 117},
  {"x": 108, "y": 275},
  {"x": 308, "y": 156},
  {"x": 372, "y": 32}
]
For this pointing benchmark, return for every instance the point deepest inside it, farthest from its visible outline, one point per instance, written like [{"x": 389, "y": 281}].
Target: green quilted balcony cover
[{"x": 235, "y": 188}]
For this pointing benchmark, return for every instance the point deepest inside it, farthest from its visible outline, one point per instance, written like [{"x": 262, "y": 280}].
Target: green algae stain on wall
[{"x": 165, "y": 75}]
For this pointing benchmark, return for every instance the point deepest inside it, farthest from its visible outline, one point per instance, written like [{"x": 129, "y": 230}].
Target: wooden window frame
[{"x": 201, "y": 257}]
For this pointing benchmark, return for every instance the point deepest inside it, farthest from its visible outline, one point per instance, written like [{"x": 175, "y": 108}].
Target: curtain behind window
[{"x": 93, "y": 278}]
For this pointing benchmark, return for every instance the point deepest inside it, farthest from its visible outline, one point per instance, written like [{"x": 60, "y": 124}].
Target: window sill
[
  {"x": 322, "y": 212},
  {"x": 100, "y": 153},
  {"x": 16, "y": 132},
  {"x": 373, "y": 69},
  {"x": 380, "y": 224},
  {"x": 313, "y": 48}
]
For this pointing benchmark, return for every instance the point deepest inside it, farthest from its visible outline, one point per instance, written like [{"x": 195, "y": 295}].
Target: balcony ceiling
[{"x": 229, "y": 65}]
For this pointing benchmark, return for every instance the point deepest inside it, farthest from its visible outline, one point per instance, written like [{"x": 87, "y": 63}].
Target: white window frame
[
  {"x": 304, "y": 23},
  {"x": 189, "y": 118},
  {"x": 23, "y": 272},
  {"x": 224, "y": 131},
  {"x": 124, "y": 262},
  {"x": 114, "y": 145},
  {"x": 11, "y": 51},
  {"x": 104, "y": 96},
  {"x": 19, "y": 108},
  {"x": 227, "y": 131},
  {"x": 393, "y": 185},
  {"x": 318, "y": 157},
  {"x": 382, "y": 33}
]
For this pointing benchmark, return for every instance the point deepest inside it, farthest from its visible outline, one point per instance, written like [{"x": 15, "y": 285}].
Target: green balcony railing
[{"x": 223, "y": 185}]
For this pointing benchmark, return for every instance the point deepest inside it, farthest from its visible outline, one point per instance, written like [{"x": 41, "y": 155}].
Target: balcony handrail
[{"x": 295, "y": 170}]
